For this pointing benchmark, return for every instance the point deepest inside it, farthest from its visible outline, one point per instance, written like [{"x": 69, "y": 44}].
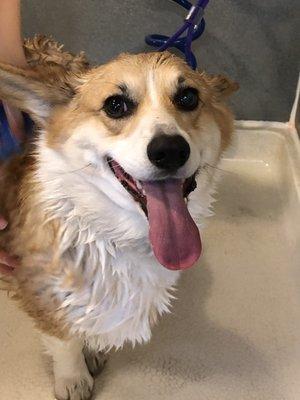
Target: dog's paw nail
[{"x": 74, "y": 388}]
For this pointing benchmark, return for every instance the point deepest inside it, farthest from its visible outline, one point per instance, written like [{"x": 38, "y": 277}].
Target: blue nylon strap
[{"x": 194, "y": 24}]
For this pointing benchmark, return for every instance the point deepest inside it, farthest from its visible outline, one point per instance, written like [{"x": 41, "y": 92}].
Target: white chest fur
[
  {"x": 105, "y": 236},
  {"x": 104, "y": 242},
  {"x": 121, "y": 296}
]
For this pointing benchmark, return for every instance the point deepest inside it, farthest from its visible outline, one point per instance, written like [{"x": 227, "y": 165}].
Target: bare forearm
[{"x": 11, "y": 43}]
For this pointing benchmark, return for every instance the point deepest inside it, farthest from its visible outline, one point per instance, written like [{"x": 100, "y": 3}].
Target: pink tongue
[{"x": 174, "y": 235}]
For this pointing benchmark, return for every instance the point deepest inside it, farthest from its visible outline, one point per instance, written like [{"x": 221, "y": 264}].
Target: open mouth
[
  {"x": 135, "y": 188},
  {"x": 173, "y": 234}
]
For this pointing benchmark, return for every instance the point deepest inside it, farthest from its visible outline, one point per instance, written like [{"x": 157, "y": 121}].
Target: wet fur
[{"x": 86, "y": 266}]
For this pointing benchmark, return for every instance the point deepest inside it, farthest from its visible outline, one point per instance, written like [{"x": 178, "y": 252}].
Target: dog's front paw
[
  {"x": 74, "y": 387},
  {"x": 95, "y": 361}
]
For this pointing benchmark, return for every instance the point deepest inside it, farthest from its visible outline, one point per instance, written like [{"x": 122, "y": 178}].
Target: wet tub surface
[{"x": 234, "y": 331}]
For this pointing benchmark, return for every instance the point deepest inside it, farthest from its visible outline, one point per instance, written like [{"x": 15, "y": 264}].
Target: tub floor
[{"x": 234, "y": 331}]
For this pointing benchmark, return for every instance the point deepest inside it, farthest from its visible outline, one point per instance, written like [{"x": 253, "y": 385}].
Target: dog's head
[{"x": 150, "y": 120}]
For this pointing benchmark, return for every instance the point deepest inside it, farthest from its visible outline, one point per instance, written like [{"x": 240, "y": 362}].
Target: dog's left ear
[
  {"x": 221, "y": 85},
  {"x": 26, "y": 90}
]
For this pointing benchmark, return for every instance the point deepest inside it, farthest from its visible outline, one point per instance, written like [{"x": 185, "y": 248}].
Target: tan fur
[
  {"x": 28, "y": 233},
  {"x": 56, "y": 75}
]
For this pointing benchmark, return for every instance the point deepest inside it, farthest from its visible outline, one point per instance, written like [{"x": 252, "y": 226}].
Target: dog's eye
[
  {"x": 186, "y": 99},
  {"x": 118, "y": 106}
]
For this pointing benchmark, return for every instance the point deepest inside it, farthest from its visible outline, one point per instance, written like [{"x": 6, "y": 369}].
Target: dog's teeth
[{"x": 138, "y": 185}]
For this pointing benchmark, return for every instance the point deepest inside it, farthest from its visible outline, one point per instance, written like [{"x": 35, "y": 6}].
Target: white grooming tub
[{"x": 234, "y": 333}]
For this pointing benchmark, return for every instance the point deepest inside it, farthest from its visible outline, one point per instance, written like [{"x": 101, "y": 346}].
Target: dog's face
[
  {"x": 151, "y": 113},
  {"x": 151, "y": 120}
]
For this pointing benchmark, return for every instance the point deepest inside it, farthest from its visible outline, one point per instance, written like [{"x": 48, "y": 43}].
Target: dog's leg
[
  {"x": 72, "y": 378},
  {"x": 95, "y": 360}
]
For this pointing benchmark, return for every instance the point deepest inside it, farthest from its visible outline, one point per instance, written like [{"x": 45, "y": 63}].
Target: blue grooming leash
[{"x": 194, "y": 24}]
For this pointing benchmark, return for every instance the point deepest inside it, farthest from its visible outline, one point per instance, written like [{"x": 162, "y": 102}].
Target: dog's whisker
[
  {"x": 217, "y": 168},
  {"x": 77, "y": 170}
]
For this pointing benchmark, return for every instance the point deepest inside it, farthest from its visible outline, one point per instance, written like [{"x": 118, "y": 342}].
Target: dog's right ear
[
  {"x": 221, "y": 85},
  {"x": 26, "y": 90}
]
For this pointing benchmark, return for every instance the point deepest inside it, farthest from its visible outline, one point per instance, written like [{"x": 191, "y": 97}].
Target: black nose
[{"x": 168, "y": 152}]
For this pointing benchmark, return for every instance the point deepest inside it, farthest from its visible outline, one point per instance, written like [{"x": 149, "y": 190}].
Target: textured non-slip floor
[{"x": 234, "y": 330}]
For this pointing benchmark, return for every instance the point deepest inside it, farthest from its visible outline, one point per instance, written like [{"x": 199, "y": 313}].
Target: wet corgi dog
[{"x": 106, "y": 202}]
